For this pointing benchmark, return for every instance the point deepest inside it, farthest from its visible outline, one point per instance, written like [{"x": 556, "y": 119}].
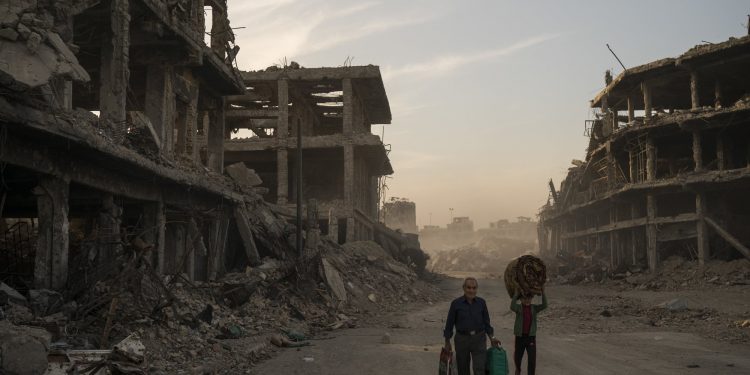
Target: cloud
[
  {"x": 445, "y": 64},
  {"x": 292, "y": 28}
]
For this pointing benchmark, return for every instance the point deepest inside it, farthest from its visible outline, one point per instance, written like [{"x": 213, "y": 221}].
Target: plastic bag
[
  {"x": 447, "y": 363},
  {"x": 497, "y": 361}
]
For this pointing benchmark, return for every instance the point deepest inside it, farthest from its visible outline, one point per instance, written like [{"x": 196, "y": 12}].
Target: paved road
[{"x": 414, "y": 349}]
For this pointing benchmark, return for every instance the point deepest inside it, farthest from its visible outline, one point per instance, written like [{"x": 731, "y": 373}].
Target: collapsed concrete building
[
  {"x": 667, "y": 167},
  {"x": 342, "y": 161},
  {"x": 76, "y": 184},
  {"x": 123, "y": 142},
  {"x": 401, "y": 214}
]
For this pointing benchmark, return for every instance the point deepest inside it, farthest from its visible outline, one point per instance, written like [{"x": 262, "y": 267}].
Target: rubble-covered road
[{"x": 584, "y": 342}]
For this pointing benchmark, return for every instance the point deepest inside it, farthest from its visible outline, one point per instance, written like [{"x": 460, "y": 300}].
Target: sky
[{"x": 488, "y": 98}]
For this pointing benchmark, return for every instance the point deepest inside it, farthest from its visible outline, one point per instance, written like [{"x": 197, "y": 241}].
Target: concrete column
[
  {"x": 348, "y": 92},
  {"x": 646, "y": 101},
  {"x": 152, "y": 222},
  {"x": 717, "y": 94},
  {"x": 282, "y": 176},
  {"x": 114, "y": 72},
  {"x": 374, "y": 199},
  {"x": 652, "y": 246},
  {"x": 650, "y": 159},
  {"x": 215, "y": 138},
  {"x": 631, "y": 166},
  {"x": 51, "y": 259},
  {"x": 161, "y": 236},
  {"x": 282, "y": 126},
  {"x": 351, "y": 230},
  {"x": 697, "y": 150},
  {"x": 349, "y": 176},
  {"x": 611, "y": 167},
  {"x": 721, "y": 152},
  {"x": 159, "y": 105},
  {"x": 633, "y": 237},
  {"x": 219, "y": 32},
  {"x": 694, "y": 97},
  {"x": 631, "y": 110},
  {"x": 702, "y": 229},
  {"x": 613, "y": 261}
]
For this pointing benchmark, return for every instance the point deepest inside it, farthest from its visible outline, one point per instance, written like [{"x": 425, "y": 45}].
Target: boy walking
[{"x": 525, "y": 329}]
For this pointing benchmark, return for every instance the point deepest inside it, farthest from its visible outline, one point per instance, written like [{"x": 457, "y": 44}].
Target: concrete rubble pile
[
  {"x": 676, "y": 273},
  {"x": 235, "y": 318},
  {"x": 490, "y": 254}
]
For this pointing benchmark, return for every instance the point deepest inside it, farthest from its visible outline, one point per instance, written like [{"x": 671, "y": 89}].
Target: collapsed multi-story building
[
  {"x": 342, "y": 161},
  {"x": 667, "y": 168},
  {"x": 115, "y": 126}
]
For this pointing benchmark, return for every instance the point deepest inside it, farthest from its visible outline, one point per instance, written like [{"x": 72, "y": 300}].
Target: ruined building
[
  {"x": 401, "y": 214},
  {"x": 667, "y": 168},
  {"x": 342, "y": 161}
]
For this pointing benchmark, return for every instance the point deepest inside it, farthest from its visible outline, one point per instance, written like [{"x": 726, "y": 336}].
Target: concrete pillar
[
  {"x": 219, "y": 32},
  {"x": 282, "y": 126},
  {"x": 721, "y": 152},
  {"x": 631, "y": 110},
  {"x": 349, "y": 176},
  {"x": 702, "y": 229},
  {"x": 374, "y": 198},
  {"x": 153, "y": 232},
  {"x": 351, "y": 230},
  {"x": 110, "y": 239},
  {"x": 632, "y": 172},
  {"x": 633, "y": 236},
  {"x": 161, "y": 237},
  {"x": 159, "y": 105},
  {"x": 646, "y": 101},
  {"x": 215, "y": 138},
  {"x": 282, "y": 176},
  {"x": 51, "y": 259},
  {"x": 114, "y": 72},
  {"x": 717, "y": 94},
  {"x": 650, "y": 159},
  {"x": 348, "y": 92},
  {"x": 697, "y": 150},
  {"x": 652, "y": 246},
  {"x": 694, "y": 97},
  {"x": 611, "y": 167}
]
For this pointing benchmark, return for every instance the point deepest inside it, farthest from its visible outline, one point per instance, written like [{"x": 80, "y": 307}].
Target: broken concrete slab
[
  {"x": 24, "y": 66},
  {"x": 23, "y": 350},
  {"x": 12, "y": 294},
  {"x": 242, "y": 175},
  {"x": 333, "y": 279},
  {"x": 245, "y": 228}
]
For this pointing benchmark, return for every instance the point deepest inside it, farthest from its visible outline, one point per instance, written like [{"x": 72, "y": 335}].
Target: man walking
[{"x": 469, "y": 315}]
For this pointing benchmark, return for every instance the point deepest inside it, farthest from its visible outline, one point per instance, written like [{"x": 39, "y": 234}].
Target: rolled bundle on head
[{"x": 526, "y": 274}]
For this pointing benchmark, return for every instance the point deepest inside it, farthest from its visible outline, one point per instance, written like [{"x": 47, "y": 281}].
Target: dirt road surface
[{"x": 415, "y": 342}]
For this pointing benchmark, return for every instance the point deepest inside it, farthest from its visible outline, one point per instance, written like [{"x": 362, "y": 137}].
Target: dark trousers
[
  {"x": 470, "y": 348},
  {"x": 527, "y": 343}
]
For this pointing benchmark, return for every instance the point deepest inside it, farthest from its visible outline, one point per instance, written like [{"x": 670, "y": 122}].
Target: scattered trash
[
  {"x": 372, "y": 298},
  {"x": 677, "y": 304}
]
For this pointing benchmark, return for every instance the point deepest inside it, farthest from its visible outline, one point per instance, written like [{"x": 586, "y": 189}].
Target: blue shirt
[{"x": 467, "y": 317}]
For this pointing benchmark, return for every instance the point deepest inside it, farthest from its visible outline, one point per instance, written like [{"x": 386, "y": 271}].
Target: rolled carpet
[{"x": 526, "y": 273}]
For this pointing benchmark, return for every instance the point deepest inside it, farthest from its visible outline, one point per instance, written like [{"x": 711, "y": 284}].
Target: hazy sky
[{"x": 488, "y": 98}]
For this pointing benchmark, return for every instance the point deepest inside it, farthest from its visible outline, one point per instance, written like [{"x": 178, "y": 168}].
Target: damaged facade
[
  {"x": 333, "y": 109},
  {"x": 667, "y": 168},
  {"x": 121, "y": 183},
  {"x": 401, "y": 214}
]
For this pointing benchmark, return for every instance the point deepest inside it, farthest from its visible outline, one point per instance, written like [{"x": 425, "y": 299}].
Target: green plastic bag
[{"x": 497, "y": 361}]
